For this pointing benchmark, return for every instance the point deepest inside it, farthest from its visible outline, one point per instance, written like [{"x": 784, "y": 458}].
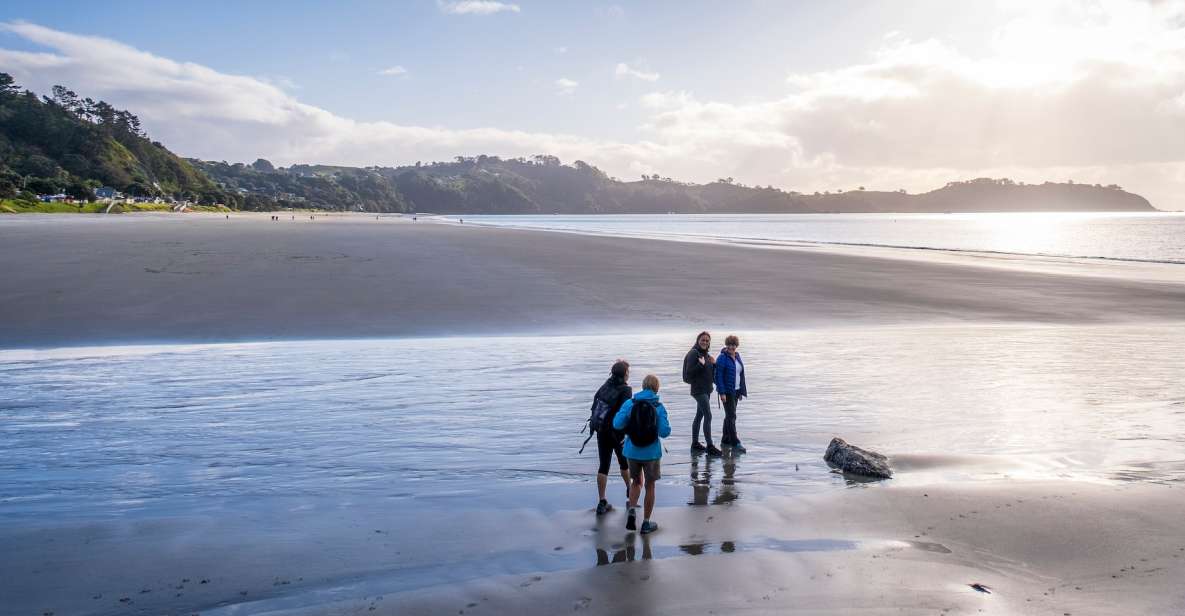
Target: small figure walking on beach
[
  {"x": 644, "y": 420},
  {"x": 699, "y": 371},
  {"x": 730, "y": 384},
  {"x": 612, "y": 394}
]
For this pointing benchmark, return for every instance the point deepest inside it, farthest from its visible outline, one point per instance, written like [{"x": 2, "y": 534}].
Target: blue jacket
[
  {"x": 653, "y": 451},
  {"x": 726, "y": 376}
]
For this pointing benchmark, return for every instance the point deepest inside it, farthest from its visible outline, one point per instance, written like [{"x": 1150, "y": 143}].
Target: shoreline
[{"x": 1147, "y": 270}]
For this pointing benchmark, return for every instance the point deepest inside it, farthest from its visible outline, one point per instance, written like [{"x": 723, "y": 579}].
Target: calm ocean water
[
  {"x": 112, "y": 432},
  {"x": 1154, "y": 237}
]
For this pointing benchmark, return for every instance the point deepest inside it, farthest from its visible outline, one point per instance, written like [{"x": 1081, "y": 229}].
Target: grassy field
[{"x": 15, "y": 206}]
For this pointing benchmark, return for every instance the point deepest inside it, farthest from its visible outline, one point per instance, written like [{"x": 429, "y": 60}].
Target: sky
[{"x": 804, "y": 96}]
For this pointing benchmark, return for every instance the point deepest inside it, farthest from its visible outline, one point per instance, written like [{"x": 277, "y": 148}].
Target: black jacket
[
  {"x": 700, "y": 377},
  {"x": 615, "y": 391}
]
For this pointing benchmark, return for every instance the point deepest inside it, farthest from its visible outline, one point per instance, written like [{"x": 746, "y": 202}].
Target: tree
[
  {"x": 7, "y": 85},
  {"x": 264, "y": 165},
  {"x": 67, "y": 99}
]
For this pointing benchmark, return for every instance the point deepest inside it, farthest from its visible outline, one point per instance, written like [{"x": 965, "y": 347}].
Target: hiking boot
[
  {"x": 714, "y": 451},
  {"x": 697, "y": 446},
  {"x": 648, "y": 527},
  {"x": 604, "y": 507},
  {"x": 631, "y": 521},
  {"x": 737, "y": 447}
]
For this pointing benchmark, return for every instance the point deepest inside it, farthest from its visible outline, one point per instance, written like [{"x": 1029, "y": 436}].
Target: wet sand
[
  {"x": 73, "y": 281},
  {"x": 1037, "y": 548}
]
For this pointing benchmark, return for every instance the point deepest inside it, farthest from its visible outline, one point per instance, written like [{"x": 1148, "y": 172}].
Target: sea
[{"x": 1156, "y": 237}]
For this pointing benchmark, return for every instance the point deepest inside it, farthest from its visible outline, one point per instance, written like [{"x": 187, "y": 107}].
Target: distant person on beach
[
  {"x": 613, "y": 393},
  {"x": 730, "y": 384},
  {"x": 699, "y": 371},
  {"x": 643, "y": 418}
]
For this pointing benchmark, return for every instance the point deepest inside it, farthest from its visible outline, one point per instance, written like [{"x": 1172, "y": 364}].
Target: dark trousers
[
  {"x": 703, "y": 414},
  {"x": 730, "y": 421}
]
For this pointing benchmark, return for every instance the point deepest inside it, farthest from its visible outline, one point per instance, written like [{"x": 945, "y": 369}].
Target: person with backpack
[
  {"x": 730, "y": 384},
  {"x": 699, "y": 371},
  {"x": 644, "y": 420},
  {"x": 613, "y": 393}
]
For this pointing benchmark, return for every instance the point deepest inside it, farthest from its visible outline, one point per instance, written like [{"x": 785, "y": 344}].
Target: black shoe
[
  {"x": 714, "y": 451},
  {"x": 604, "y": 507},
  {"x": 631, "y": 521},
  {"x": 697, "y": 446}
]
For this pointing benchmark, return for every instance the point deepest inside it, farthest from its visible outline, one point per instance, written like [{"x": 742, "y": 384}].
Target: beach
[
  {"x": 200, "y": 278},
  {"x": 361, "y": 415}
]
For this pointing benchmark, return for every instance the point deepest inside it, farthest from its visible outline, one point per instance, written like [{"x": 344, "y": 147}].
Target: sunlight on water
[
  {"x": 1136, "y": 236},
  {"x": 93, "y": 432}
]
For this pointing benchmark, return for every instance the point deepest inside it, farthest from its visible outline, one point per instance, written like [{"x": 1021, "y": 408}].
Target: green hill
[
  {"x": 543, "y": 185},
  {"x": 66, "y": 144}
]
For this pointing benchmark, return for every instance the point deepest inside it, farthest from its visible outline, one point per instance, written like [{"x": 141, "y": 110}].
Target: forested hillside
[{"x": 68, "y": 144}]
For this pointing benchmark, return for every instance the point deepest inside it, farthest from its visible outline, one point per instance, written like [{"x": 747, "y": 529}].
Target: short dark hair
[
  {"x": 732, "y": 341},
  {"x": 620, "y": 367}
]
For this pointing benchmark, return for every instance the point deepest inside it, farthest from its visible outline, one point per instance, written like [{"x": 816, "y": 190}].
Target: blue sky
[{"x": 818, "y": 95}]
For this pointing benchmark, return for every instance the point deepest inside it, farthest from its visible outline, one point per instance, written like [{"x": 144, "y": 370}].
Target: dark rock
[{"x": 852, "y": 459}]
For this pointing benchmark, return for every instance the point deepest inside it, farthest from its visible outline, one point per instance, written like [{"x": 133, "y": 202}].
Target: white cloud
[
  {"x": 280, "y": 81},
  {"x": 561, "y": 49},
  {"x": 1085, "y": 90},
  {"x": 565, "y": 85},
  {"x": 200, "y": 112},
  {"x": 477, "y": 7},
  {"x": 615, "y": 11},
  {"x": 394, "y": 71},
  {"x": 624, "y": 70}
]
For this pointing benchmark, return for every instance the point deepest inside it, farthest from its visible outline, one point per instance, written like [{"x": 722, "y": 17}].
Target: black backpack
[
  {"x": 643, "y": 425},
  {"x": 599, "y": 415}
]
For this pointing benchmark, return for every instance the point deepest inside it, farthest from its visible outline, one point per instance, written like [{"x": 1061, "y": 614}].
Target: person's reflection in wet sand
[
  {"x": 625, "y": 552},
  {"x": 728, "y": 490},
  {"x": 701, "y": 480}
]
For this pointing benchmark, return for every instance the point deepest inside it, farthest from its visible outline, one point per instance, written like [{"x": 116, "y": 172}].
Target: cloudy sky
[{"x": 805, "y": 96}]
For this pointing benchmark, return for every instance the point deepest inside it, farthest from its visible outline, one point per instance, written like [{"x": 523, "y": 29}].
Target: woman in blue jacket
[
  {"x": 643, "y": 458},
  {"x": 730, "y": 384}
]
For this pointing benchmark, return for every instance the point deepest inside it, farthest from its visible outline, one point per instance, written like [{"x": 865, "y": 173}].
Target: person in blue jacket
[
  {"x": 643, "y": 418},
  {"x": 730, "y": 384}
]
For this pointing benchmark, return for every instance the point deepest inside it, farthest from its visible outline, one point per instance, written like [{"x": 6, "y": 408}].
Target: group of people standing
[{"x": 632, "y": 426}]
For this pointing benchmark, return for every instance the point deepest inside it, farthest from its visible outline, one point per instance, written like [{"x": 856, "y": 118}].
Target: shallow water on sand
[{"x": 478, "y": 422}]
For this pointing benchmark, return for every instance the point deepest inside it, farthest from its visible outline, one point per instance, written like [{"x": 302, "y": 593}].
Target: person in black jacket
[
  {"x": 699, "y": 370},
  {"x": 613, "y": 393}
]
